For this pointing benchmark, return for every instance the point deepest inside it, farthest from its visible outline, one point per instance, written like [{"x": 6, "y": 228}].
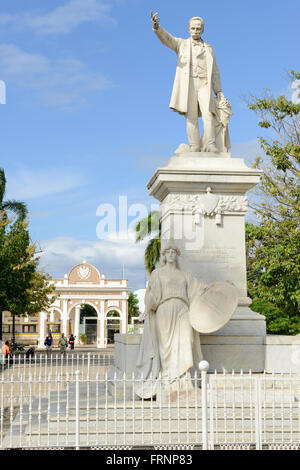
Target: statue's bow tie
[{"x": 197, "y": 43}]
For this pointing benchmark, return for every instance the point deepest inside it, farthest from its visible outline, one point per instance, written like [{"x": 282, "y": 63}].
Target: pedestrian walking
[
  {"x": 49, "y": 343},
  {"x": 63, "y": 344},
  {"x": 72, "y": 342}
]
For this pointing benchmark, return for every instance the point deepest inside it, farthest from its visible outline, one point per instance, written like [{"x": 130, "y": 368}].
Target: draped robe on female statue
[{"x": 170, "y": 347}]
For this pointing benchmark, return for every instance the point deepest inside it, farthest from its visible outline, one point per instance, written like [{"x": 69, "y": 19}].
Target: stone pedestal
[
  {"x": 126, "y": 353},
  {"x": 273, "y": 353},
  {"x": 203, "y": 207},
  {"x": 223, "y": 352}
]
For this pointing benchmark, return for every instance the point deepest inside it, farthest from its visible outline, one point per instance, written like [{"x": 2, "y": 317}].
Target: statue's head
[
  {"x": 170, "y": 253},
  {"x": 196, "y": 27}
]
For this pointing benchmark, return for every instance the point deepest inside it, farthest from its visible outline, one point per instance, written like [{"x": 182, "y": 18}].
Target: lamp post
[
  {"x": 13, "y": 337},
  {"x": 1, "y": 321}
]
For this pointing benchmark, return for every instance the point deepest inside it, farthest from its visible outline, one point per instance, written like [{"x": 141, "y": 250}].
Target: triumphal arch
[
  {"x": 88, "y": 304},
  {"x": 84, "y": 285}
]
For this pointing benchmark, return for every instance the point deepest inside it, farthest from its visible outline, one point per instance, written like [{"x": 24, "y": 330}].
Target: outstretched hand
[{"x": 155, "y": 20}]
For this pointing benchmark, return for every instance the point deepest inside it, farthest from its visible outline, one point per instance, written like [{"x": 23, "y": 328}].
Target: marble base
[
  {"x": 222, "y": 353},
  {"x": 271, "y": 353},
  {"x": 282, "y": 354}
]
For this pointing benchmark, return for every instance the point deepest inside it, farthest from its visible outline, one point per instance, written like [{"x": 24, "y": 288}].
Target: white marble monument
[
  {"x": 203, "y": 202},
  {"x": 202, "y": 191},
  {"x": 196, "y": 81}
]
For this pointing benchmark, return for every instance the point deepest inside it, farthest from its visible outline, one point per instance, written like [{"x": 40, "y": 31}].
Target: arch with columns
[
  {"x": 120, "y": 313},
  {"x": 113, "y": 324},
  {"x": 83, "y": 303},
  {"x": 74, "y": 320},
  {"x": 86, "y": 285}
]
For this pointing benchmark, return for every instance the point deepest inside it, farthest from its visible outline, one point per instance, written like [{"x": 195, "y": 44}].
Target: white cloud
[
  {"x": 140, "y": 293},
  {"x": 62, "y": 19},
  {"x": 59, "y": 82},
  {"x": 28, "y": 184},
  {"x": 61, "y": 254},
  {"x": 295, "y": 91}
]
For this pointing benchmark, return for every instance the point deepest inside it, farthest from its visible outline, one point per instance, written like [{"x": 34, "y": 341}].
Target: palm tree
[
  {"x": 18, "y": 208},
  {"x": 146, "y": 227}
]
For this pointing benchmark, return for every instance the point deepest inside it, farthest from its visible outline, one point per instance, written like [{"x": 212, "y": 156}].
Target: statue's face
[
  {"x": 171, "y": 255},
  {"x": 196, "y": 29}
]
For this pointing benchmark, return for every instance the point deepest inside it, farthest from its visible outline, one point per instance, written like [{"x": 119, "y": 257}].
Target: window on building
[
  {"x": 53, "y": 328},
  {"x": 8, "y": 329},
  {"x": 29, "y": 328}
]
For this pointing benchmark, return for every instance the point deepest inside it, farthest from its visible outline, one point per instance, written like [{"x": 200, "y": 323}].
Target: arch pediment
[{"x": 84, "y": 273}]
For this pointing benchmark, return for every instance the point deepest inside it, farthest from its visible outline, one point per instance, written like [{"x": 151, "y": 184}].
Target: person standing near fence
[
  {"x": 48, "y": 343},
  {"x": 72, "y": 342},
  {"x": 63, "y": 344},
  {"x": 6, "y": 352}
]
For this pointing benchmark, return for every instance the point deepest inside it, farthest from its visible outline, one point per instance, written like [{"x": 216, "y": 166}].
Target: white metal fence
[
  {"x": 254, "y": 411},
  {"x": 68, "y": 404},
  {"x": 42, "y": 365}
]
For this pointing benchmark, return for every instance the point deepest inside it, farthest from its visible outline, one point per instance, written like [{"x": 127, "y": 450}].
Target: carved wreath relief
[
  {"x": 207, "y": 204},
  {"x": 84, "y": 272}
]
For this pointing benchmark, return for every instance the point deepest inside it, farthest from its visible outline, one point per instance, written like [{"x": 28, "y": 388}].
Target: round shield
[{"x": 211, "y": 310}]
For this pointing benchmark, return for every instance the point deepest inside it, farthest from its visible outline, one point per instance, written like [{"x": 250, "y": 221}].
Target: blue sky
[{"x": 87, "y": 118}]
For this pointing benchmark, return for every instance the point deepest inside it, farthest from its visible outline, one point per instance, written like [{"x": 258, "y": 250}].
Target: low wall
[
  {"x": 282, "y": 354},
  {"x": 272, "y": 353}
]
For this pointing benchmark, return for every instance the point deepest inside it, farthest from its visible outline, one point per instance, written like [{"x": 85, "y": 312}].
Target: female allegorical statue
[{"x": 170, "y": 346}]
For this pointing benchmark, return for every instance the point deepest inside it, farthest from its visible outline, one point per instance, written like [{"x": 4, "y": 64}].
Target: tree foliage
[
  {"x": 150, "y": 226},
  {"x": 273, "y": 256},
  {"x": 17, "y": 207},
  {"x": 24, "y": 290},
  {"x": 133, "y": 306},
  {"x": 87, "y": 310}
]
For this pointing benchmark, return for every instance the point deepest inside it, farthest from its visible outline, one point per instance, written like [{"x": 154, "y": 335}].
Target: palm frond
[
  {"x": 2, "y": 185},
  {"x": 152, "y": 254},
  {"x": 147, "y": 225},
  {"x": 19, "y": 208}
]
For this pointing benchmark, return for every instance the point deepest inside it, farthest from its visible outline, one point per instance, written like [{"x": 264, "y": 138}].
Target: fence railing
[
  {"x": 61, "y": 406},
  {"x": 43, "y": 365}
]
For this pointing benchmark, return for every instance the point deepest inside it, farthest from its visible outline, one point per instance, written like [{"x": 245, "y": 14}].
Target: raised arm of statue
[
  {"x": 166, "y": 38},
  {"x": 155, "y": 20}
]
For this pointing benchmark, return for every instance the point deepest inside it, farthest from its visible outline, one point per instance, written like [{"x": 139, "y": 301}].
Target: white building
[{"x": 108, "y": 299}]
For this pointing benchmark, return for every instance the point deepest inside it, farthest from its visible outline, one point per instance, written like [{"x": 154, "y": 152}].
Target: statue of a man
[{"x": 197, "y": 78}]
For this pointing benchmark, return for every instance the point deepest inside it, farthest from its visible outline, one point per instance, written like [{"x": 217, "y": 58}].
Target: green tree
[
  {"x": 16, "y": 207},
  {"x": 273, "y": 255},
  {"x": 133, "y": 306},
  {"x": 87, "y": 310},
  {"x": 150, "y": 226},
  {"x": 24, "y": 290}
]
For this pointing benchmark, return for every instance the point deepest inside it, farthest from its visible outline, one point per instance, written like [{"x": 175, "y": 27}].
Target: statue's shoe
[
  {"x": 211, "y": 148},
  {"x": 194, "y": 148}
]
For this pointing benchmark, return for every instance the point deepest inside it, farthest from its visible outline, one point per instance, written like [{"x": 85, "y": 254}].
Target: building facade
[{"x": 84, "y": 286}]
